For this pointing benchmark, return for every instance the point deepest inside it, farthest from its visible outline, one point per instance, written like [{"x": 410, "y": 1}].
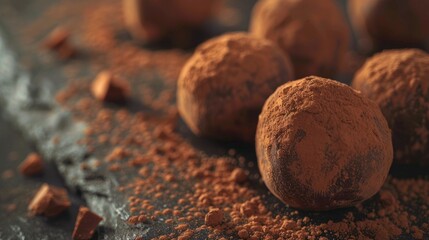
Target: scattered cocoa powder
[
  {"x": 49, "y": 201},
  {"x": 398, "y": 81},
  {"x": 32, "y": 165},
  {"x": 316, "y": 43}
]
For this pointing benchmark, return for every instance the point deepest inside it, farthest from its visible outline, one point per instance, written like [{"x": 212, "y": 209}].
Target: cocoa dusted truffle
[
  {"x": 312, "y": 32},
  {"x": 390, "y": 23},
  {"x": 322, "y": 145},
  {"x": 398, "y": 81},
  {"x": 151, "y": 20},
  {"x": 223, "y": 86}
]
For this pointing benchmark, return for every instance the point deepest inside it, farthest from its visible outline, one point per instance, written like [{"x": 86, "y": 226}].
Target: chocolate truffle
[
  {"x": 312, "y": 32},
  {"x": 223, "y": 86},
  {"x": 398, "y": 81},
  {"x": 390, "y": 23},
  {"x": 322, "y": 145},
  {"x": 151, "y": 20}
]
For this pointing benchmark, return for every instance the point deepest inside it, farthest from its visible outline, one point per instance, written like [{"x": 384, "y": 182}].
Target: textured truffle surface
[
  {"x": 390, "y": 23},
  {"x": 398, "y": 81},
  {"x": 223, "y": 86},
  {"x": 315, "y": 42},
  {"x": 150, "y": 20},
  {"x": 321, "y": 145}
]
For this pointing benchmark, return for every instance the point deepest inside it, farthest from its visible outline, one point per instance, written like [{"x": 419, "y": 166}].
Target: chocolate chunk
[
  {"x": 214, "y": 217},
  {"x": 32, "y": 165},
  {"x": 49, "y": 201},
  {"x": 109, "y": 88},
  {"x": 58, "y": 41},
  {"x": 86, "y": 223}
]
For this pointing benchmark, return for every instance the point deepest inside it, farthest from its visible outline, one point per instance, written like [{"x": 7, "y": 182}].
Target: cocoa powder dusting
[{"x": 171, "y": 185}]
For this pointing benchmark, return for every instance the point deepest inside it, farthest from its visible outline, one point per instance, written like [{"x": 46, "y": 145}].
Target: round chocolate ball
[
  {"x": 151, "y": 20},
  {"x": 223, "y": 86},
  {"x": 390, "y": 23},
  {"x": 398, "y": 81},
  {"x": 322, "y": 145},
  {"x": 312, "y": 32}
]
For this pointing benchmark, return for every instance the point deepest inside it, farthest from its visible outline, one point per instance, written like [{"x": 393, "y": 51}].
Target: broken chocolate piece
[
  {"x": 86, "y": 223},
  {"x": 58, "y": 37},
  {"x": 316, "y": 113},
  {"x": 49, "y": 201},
  {"x": 32, "y": 165},
  {"x": 109, "y": 88},
  {"x": 58, "y": 40}
]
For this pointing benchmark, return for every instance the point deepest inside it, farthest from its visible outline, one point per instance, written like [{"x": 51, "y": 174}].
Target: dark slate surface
[
  {"x": 19, "y": 190},
  {"x": 27, "y": 88},
  {"x": 29, "y": 104}
]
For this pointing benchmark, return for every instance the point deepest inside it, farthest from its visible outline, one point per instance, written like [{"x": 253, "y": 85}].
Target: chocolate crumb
[
  {"x": 238, "y": 175},
  {"x": 214, "y": 217},
  {"x": 7, "y": 174},
  {"x": 10, "y": 207}
]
